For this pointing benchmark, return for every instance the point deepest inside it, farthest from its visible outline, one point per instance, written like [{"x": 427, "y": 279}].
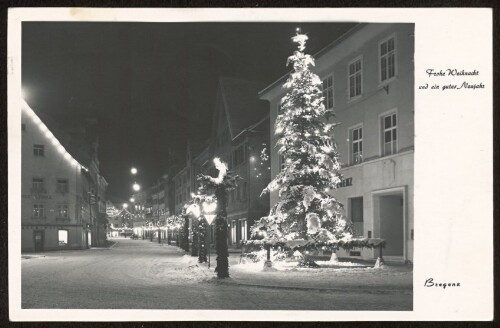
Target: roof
[
  {"x": 239, "y": 99},
  {"x": 73, "y": 143}
]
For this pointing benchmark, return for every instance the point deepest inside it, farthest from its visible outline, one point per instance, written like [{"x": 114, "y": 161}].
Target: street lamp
[
  {"x": 125, "y": 205},
  {"x": 136, "y": 186},
  {"x": 132, "y": 199},
  {"x": 209, "y": 213},
  {"x": 133, "y": 170}
]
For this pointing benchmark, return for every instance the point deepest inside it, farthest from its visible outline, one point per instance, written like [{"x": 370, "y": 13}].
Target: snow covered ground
[{"x": 139, "y": 274}]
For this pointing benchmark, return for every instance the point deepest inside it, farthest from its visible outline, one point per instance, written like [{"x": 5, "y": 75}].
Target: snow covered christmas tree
[{"x": 306, "y": 216}]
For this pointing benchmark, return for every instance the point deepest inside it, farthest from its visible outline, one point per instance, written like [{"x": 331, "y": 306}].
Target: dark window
[
  {"x": 62, "y": 185},
  {"x": 37, "y": 186},
  {"x": 39, "y": 150},
  {"x": 356, "y": 145},
  {"x": 389, "y": 134},
  {"x": 387, "y": 60},
  {"x": 355, "y": 77},
  {"x": 245, "y": 186},
  {"x": 328, "y": 92},
  {"x": 238, "y": 155}
]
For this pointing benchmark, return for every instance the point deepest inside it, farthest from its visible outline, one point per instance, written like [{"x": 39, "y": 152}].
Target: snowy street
[{"x": 139, "y": 274}]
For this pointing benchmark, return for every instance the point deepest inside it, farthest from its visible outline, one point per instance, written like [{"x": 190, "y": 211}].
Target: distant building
[
  {"x": 62, "y": 191},
  {"x": 240, "y": 132},
  {"x": 368, "y": 80}
]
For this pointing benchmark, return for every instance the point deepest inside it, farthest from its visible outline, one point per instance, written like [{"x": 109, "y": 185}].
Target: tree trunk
[
  {"x": 221, "y": 234},
  {"x": 185, "y": 235},
  {"x": 202, "y": 241},
  {"x": 194, "y": 244}
]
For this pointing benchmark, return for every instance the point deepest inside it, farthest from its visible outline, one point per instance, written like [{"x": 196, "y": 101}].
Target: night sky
[{"x": 150, "y": 86}]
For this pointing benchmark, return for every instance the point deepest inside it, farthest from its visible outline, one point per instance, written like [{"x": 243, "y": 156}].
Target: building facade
[
  {"x": 239, "y": 135},
  {"x": 368, "y": 80},
  {"x": 60, "y": 209}
]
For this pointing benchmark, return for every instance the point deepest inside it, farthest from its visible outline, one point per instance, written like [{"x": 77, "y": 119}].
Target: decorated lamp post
[
  {"x": 209, "y": 213},
  {"x": 202, "y": 209},
  {"x": 220, "y": 185}
]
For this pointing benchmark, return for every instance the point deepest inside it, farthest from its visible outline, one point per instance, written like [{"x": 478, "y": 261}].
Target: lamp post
[{"x": 209, "y": 213}]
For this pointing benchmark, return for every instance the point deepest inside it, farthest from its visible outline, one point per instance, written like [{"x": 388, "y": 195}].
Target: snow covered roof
[{"x": 70, "y": 155}]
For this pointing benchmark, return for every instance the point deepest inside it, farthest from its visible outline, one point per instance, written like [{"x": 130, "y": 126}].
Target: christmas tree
[{"x": 305, "y": 216}]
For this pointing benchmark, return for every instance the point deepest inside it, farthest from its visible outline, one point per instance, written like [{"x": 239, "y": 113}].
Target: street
[{"x": 139, "y": 274}]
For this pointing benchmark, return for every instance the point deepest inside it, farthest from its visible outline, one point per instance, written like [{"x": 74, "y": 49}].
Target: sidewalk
[{"x": 346, "y": 276}]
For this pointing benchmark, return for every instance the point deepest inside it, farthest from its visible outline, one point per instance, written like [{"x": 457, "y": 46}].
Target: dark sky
[{"x": 150, "y": 86}]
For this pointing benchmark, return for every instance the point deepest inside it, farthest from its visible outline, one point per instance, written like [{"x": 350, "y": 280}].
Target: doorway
[
  {"x": 39, "y": 238},
  {"x": 389, "y": 207}
]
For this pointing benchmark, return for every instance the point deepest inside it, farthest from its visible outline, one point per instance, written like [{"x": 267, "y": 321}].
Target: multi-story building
[
  {"x": 239, "y": 135},
  {"x": 59, "y": 206},
  {"x": 368, "y": 80}
]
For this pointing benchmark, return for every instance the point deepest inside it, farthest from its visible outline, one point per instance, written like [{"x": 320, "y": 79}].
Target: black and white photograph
[{"x": 219, "y": 165}]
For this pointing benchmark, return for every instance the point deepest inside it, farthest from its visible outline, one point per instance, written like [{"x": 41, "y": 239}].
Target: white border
[{"x": 453, "y": 178}]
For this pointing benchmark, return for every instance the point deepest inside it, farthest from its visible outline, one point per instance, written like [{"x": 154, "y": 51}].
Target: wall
[{"x": 52, "y": 166}]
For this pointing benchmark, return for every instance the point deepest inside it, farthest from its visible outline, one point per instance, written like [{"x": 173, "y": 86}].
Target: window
[
  {"x": 37, "y": 186},
  {"x": 62, "y": 211},
  {"x": 62, "y": 185},
  {"x": 234, "y": 238},
  {"x": 243, "y": 224},
  {"x": 239, "y": 155},
  {"x": 356, "y": 145},
  {"x": 328, "y": 92},
  {"x": 38, "y": 211},
  {"x": 389, "y": 140},
  {"x": 245, "y": 186},
  {"x": 355, "y": 77},
  {"x": 63, "y": 237},
  {"x": 356, "y": 211},
  {"x": 39, "y": 150},
  {"x": 387, "y": 54}
]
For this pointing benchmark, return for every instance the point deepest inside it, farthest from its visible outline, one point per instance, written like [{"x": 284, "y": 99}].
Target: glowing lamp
[
  {"x": 133, "y": 170},
  {"x": 210, "y": 218},
  {"x": 136, "y": 187}
]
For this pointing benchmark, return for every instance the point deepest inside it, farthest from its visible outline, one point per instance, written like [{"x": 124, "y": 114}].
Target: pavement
[{"x": 139, "y": 274}]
